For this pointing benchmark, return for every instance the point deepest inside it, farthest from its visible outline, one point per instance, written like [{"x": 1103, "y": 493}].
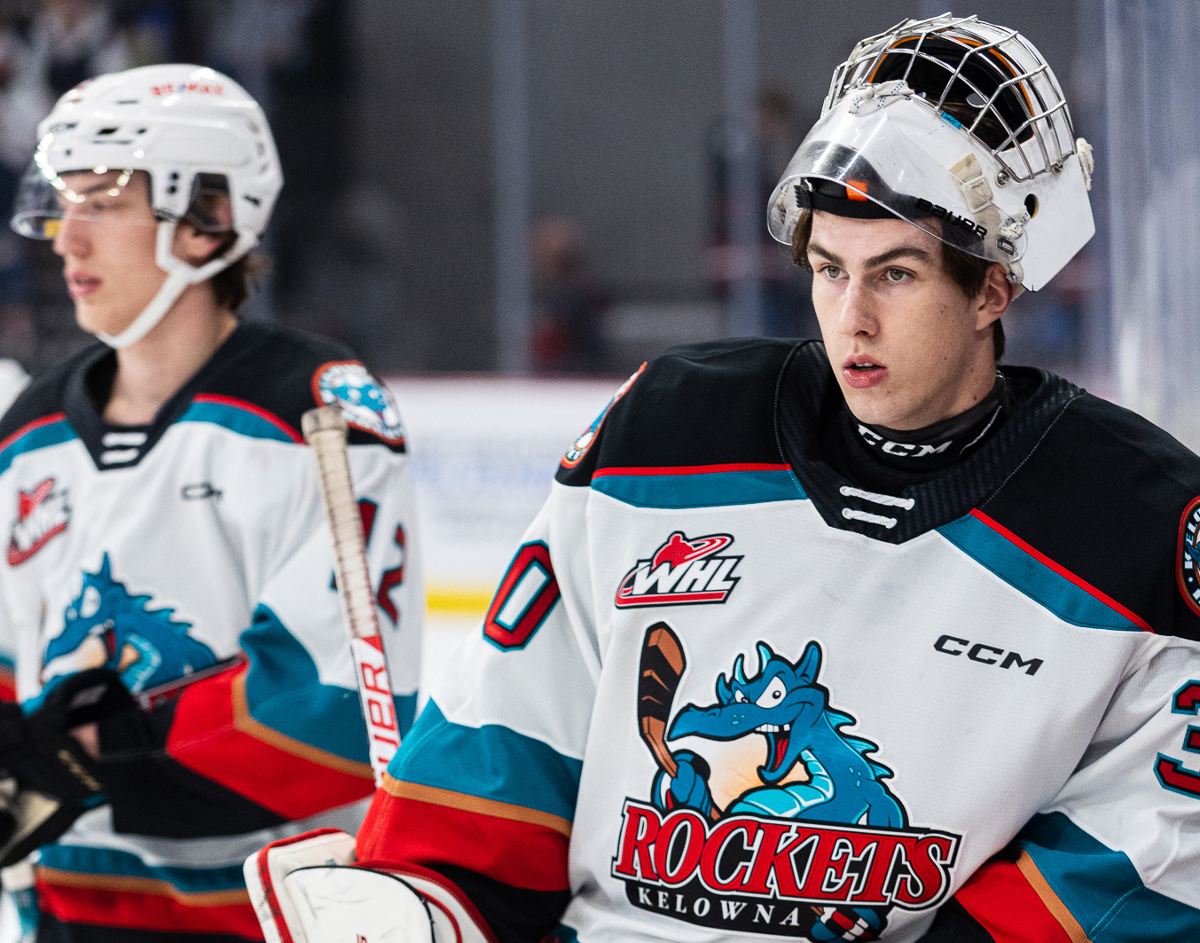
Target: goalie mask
[
  {"x": 200, "y": 138},
  {"x": 958, "y": 127}
]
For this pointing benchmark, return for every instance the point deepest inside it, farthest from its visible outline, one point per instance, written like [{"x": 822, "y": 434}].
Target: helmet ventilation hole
[{"x": 1031, "y": 205}]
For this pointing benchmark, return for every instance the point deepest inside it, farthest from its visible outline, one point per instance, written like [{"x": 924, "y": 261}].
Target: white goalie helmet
[
  {"x": 193, "y": 130},
  {"x": 960, "y": 128}
]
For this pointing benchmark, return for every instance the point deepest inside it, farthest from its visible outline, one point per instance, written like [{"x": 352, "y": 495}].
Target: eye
[
  {"x": 739, "y": 696},
  {"x": 897, "y": 275},
  {"x": 832, "y": 272},
  {"x": 773, "y": 694}
]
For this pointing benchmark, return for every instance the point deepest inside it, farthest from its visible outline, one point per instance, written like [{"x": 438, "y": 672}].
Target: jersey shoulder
[
  {"x": 1115, "y": 500},
  {"x": 695, "y": 405},
  {"x": 285, "y": 372},
  {"x": 43, "y": 398}
]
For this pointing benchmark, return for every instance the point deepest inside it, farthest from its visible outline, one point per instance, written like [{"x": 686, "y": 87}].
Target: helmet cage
[{"x": 1011, "y": 83}]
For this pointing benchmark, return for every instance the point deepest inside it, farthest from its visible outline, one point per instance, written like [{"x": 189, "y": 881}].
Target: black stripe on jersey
[
  {"x": 152, "y": 794},
  {"x": 52, "y": 930},
  {"x": 1102, "y": 496},
  {"x": 698, "y": 404},
  {"x": 952, "y": 924},
  {"x": 514, "y": 914}
]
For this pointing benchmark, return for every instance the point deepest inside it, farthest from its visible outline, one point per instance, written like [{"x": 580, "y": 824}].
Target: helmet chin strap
[{"x": 179, "y": 276}]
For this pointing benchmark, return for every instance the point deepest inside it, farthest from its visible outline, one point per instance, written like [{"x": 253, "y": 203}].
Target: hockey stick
[
  {"x": 662, "y": 665},
  {"x": 325, "y": 430}
]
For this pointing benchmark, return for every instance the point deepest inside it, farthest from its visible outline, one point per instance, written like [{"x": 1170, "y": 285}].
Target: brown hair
[
  {"x": 967, "y": 271},
  {"x": 207, "y": 212}
]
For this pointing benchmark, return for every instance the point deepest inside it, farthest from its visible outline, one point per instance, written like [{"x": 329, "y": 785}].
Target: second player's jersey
[
  {"x": 725, "y": 692},
  {"x": 194, "y": 552}
]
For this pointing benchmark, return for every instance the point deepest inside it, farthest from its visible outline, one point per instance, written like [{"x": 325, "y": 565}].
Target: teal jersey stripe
[
  {"x": 490, "y": 762},
  {"x": 37, "y": 435},
  {"x": 237, "y": 419},
  {"x": 1039, "y": 582},
  {"x": 700, "y": 489},
  {"x": 284, "y": 692},
  {"x": 1101, "y": 887},
  {"x": 81, "y": 859}
]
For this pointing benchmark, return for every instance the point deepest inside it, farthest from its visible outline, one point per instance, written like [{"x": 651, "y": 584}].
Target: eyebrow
[
  {"x": 874, "y": 261},
  {"x": 95, "y": 188}
]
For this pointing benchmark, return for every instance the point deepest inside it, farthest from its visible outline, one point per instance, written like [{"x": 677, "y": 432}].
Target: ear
[
  {"x": 994, "y": 297},
  {"x": 214, "y": 212},
  {"x": 193, "y": 246}
]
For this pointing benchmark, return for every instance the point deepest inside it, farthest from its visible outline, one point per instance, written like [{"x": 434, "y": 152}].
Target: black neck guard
[{"x": 941, "y": 444}]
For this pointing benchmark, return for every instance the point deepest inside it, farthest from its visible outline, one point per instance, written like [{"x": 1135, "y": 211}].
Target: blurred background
[{"x": 506, "y": 205}]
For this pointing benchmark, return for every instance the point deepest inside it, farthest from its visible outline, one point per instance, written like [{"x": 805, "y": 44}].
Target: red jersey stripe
[
  {"x": 214, "y": 735},
  {"x": 401, "y": 832},
  {"x": 143, "y": 904},
  {"x": 1002, "y": 899}
]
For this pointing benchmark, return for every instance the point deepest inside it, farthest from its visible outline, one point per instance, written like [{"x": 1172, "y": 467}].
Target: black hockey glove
[{"x": 48, "y": 779}]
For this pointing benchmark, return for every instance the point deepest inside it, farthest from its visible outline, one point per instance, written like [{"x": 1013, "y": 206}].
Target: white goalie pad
[{"x": 307, "y": 890}]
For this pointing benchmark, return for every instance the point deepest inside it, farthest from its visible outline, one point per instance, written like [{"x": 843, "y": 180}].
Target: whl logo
[
  {"x": 684, "y": 571},
  {"x": 42, "y": 514}
]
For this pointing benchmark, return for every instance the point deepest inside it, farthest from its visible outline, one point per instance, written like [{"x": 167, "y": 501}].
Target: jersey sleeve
[
  {"x": 1113, "y": 858},
  {"x": 483, "y": 790},
  {"x": 279, "y": 735}
]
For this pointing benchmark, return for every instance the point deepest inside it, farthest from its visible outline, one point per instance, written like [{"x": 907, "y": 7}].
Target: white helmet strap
[{"x": 179, "y": 276}]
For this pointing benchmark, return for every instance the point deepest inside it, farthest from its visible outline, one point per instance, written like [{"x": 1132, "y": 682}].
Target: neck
[{"x": 154, "y": 369}]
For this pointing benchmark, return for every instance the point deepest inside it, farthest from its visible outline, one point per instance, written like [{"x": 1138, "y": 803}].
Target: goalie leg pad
[
  {"x": 345, "y": 904},
  {"x": 306, "y": 889}
]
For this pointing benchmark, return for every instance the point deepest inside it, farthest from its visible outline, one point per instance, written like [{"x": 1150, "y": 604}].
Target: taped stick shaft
[{"x": 325, "y": 431}]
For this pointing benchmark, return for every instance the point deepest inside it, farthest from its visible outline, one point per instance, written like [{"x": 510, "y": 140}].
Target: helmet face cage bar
[{"x": 1038, "y": 144}]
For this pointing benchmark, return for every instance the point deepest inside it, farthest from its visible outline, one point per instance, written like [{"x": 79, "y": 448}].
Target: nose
[
  {"x": 857, "y": 317},
  {"x": 72, "y": 237}
]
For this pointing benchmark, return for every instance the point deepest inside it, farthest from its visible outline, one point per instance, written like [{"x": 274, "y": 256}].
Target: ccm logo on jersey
[
  {"x": 42, "y": 514},
  {"x": 684, "y": 571}
]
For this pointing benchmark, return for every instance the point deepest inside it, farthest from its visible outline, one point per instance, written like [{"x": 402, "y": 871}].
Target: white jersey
[
  {"x": 724, "y": 692},
  {"x": 195, "y": 551}
]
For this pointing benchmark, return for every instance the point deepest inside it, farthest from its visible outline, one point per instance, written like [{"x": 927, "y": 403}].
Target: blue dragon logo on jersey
[
  {"x": 813, "y": 844},
  {"x": 364, "y": 402},
  {"x": 106, "y": 626}
]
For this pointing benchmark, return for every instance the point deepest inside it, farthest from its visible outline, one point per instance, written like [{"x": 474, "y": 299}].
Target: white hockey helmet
[
  {"x": 193, "y": 130},
  {"x": 960, "y": 128}
]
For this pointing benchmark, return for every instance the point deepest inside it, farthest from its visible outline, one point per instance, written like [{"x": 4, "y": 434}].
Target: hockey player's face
[
  {"x": 907, "y": 346},
  {"x": 107, "y": 244}
]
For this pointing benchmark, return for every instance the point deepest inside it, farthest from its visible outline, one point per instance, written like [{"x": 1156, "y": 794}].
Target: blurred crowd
[{"x": 333, "y": 233}]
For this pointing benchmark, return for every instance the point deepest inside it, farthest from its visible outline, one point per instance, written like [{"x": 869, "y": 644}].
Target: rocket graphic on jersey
[{"x": 816, "y": 846}]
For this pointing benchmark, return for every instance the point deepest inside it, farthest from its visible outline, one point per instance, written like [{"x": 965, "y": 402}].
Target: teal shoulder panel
[
  {"x": 1063, "y": 593},
  {"x": 239, "y": 416},
  {"x": 698, "y": 486},
  {"x": 39, "y": 434}
]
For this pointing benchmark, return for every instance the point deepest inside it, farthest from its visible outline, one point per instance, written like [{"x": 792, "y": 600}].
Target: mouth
[
  {"x": 778, "y": 738},
  {"x": 860, "y": 371},
  {"x": 80, "y": 284}
]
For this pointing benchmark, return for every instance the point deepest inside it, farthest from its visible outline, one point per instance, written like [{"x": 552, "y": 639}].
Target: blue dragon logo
[
  {"x": 363, "y": 401},
  {"x": 813, "y": 769},
  {"x": 106, "y": 626}
]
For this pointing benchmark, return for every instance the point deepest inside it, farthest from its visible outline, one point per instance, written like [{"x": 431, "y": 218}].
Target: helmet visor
[
  {"x": 46, "y": 198},
  {"x": 905, "y": 157}
]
